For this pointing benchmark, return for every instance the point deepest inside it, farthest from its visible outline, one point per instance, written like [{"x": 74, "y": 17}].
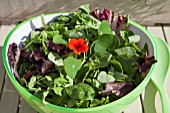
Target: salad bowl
[{"x": 21, "y": 31}]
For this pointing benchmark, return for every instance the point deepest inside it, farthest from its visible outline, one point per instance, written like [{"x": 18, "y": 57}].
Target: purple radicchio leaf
[
  {"x": 104, "y": 15},
  {"x": 11, "y": 52},
  {"x": 37, "y": 54},
  {"x": 118, "y": 89},
  {"x": 40, "y": 61},
  {"x": 145, "y": 66},
  {"x": 45, "y": 66},
  {"x": 54, "y": 47},
  {"x": 61, "y": 50},
  {"x": 14, "y": 54},
  {"x": 117, "y": 24},
  {"x": 28, "y": 74},
  {"x": 37, "y": 57}
]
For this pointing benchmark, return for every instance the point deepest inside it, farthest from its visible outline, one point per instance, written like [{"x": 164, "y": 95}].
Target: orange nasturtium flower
[{"x": 78, "y": 45}]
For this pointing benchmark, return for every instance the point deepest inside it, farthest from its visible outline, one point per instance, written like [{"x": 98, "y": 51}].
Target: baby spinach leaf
[
  {"x": 88, "y": 90},
  {"x": 71, "y": 66},
  {"x": 98, "y": 60},
  {"x": 81, "y": 91},
  {"x": 104, "y": 28},
  {"x": 76, "y": 34},
  {"x": 120, "y": 77},
  {"x": 103, "y": 77},
  {"x": 75, "y": 92},
  {"x": 71, "y": 102},
  {"x": 106, "y": 41},
  {"x": 134, "y": 39},
  {"x": 56, "y": 59},
  {"x": 117, "y": 65},
  {"x": 126, "y": 51},
  {"x": 57, "y": 39},
  {"x": 95, "y": 102}
]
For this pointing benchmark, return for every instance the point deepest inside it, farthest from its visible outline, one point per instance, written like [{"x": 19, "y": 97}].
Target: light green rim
[{"x": 14, "y": 81}]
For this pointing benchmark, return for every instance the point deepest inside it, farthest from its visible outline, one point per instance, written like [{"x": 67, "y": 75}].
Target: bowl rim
[{"x": 14, "y": 81}]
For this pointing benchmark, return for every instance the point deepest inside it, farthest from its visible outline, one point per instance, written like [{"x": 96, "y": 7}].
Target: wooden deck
[{"x": 11, "y": 102}]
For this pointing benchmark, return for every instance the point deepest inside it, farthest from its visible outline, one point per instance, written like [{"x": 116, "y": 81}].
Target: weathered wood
[
  {"x": 167, "y": 33},
  {"x": 2, "y": 72},
  {"x": 25, "y": 108},
  {"x": 155, "y": 11},
  {"x": 4, "y": 30},
  {"x": 10, "y": 98}
]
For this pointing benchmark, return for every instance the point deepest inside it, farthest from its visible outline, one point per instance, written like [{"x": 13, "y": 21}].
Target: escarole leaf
[{"x": 72, "y": 65}]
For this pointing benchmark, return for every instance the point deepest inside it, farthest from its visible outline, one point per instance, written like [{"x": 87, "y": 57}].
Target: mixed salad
[{"x": 81, "y": 60}]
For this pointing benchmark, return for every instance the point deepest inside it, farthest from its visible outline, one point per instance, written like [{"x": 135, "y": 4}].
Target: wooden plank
[
  {"x": 135, "y": 107},
  {"x": 25, "y": 108},
  {"x": 10, "y": 98},
  {"x": 167, "y": 33},
  {"x": 150, "y": 13},
  {"x": 4, "y": 30},
  {"x": 2, "y": 72}
]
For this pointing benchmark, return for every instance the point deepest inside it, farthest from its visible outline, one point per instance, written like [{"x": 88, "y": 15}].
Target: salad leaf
[
  {"x": 81, "y": 91},
  {"x": 56, "y": 59},
  {"x": 126, "y": 51},
  {"x": 72, "y": 65},
  {"x": 57, "y": 39},
  {"x": 134, "y": 39},
  {"x": 104, "y": 28},
  {"x": 118, "y": 89},
  {"x": 85, "y": 8},
  {"x": 105, "y": 42},
  {"x": 103, "y": 77},
  {"x": 58, "y": 90}
]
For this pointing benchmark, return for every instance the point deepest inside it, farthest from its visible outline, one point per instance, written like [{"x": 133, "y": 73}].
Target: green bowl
[{"x": 23, "y": 30}]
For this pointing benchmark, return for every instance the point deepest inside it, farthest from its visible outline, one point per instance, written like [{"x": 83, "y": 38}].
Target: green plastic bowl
[{"x": 23, "y": 30}]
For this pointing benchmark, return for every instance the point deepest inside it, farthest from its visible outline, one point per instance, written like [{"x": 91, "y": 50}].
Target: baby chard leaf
[{"x": 72, "y": 65}]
